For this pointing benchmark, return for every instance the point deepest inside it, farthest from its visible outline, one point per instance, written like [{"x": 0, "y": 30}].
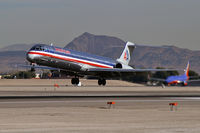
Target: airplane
[
  {"x": 180, "y": 79},
  {"x": 79, "y": 64}
]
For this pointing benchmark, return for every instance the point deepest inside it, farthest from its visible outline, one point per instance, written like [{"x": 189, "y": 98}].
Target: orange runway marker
[
  {"x": 172, "y": 105},
  {"x": 111, "y": 104}
]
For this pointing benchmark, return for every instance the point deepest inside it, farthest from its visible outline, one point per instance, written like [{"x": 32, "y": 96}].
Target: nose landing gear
[{"x": 75, "y": 81}]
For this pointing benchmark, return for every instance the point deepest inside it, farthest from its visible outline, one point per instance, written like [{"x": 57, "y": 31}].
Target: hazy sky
[{"x": 155, "y": 22}]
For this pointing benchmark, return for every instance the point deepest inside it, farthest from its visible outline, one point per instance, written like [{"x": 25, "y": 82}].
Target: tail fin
[
  {"x": 187, "y": 69},
  {"x": 126, "y": 54}
]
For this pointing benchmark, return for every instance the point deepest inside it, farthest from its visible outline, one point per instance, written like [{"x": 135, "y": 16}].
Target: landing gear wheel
[
  {"x": 75, "y": 81},
  {"x": 102, "y": 82},
  {"x": 99, "y": 82}
]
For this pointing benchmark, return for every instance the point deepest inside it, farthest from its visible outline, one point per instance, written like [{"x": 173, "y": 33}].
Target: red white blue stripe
[{"x": 68, "y": 57}]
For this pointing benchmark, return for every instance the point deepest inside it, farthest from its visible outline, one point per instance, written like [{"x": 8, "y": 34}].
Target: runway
[
  {"x": 85, "y": 115},
  {"x": 94, "y": 101},
  {"x": 97, "y": 94},
  {"x": 37, "y": 106}
]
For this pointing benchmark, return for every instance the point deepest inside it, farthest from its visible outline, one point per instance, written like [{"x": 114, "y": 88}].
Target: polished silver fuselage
[{"x": 68, "y": 60}]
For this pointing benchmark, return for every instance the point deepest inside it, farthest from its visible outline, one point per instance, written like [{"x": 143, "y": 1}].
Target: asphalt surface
[
  {"x": 30, "y": 106},
  {"x": 93, "y": 114},
  {"x": 78, "y": 101},
  {"x": 96, "y": 94}
]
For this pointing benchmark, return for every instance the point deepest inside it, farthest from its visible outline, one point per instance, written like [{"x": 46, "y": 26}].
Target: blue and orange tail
[{"x": 187, "y": 69}]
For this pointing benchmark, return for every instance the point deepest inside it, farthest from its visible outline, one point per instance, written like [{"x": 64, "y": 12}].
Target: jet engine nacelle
[{"x": 122, "y": 66}]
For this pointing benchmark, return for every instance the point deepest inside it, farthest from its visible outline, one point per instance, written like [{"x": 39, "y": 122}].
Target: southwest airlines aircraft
[
  {"x": 180, "y": 79},
  {"x": 79, "y": 64}
]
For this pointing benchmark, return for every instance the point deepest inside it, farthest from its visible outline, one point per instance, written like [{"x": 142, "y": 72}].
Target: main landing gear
[
  {"x": 102, "y": 82},
  {"x": 75, "y": 81}
]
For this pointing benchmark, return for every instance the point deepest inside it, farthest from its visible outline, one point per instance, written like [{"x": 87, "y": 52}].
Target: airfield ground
[{"x": 138, "y": 108}]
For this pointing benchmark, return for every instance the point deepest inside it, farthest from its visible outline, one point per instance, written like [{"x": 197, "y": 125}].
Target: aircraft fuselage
[
  {"x": 69, "y": 60},
  {"x": 182, "y": 79}
]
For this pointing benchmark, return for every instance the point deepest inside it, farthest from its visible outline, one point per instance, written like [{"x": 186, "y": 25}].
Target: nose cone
[{"x": 31, "y": 57}]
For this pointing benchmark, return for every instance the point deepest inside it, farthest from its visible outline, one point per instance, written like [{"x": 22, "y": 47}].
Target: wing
[
  {"x": 127, "y": 70},
  {"x": 37, "y": 67},
  {"x": 194, "y": 77},
  {"x": 194, "y": 80},
  {"x": 117, "y": 72}
]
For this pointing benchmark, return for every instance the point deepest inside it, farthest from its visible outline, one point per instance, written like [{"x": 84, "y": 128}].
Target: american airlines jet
[{"x": 80, "y": 64}]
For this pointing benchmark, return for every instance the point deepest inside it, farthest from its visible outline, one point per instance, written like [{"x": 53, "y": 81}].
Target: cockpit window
[{"x": 39, "y": 48}]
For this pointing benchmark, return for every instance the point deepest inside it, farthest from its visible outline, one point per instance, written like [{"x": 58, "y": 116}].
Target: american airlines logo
[
  {"x": 126, "y": 55},
  {"x": 62, "y": 50}
]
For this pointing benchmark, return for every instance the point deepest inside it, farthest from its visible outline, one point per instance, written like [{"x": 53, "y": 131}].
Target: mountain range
[{"x": 143, "y": 56}]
